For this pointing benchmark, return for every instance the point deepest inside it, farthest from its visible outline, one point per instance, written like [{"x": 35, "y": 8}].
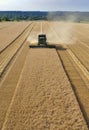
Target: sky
[{"x": 45, "y": 5}]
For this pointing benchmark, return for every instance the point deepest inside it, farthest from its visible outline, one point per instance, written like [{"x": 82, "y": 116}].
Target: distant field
[{"x": 44, "y": 89}]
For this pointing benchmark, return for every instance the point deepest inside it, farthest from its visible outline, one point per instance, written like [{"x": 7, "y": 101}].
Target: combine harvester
[{"x": 42, "y": 42}]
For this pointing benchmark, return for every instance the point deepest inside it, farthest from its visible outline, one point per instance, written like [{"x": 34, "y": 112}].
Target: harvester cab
[{"x": 42, "y": 40}]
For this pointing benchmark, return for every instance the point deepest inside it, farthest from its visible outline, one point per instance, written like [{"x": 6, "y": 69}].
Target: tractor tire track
[
  {"x": 81, "y": 79},
  {"x": 10, "y": 80},
  {"x": 80, "y": 84},
  {"x": 13, "y": 48}
]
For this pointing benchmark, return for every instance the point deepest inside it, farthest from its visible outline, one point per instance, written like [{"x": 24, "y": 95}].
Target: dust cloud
[
  {"x": 58, "y": 31},
  {"x": 65, "y": 29},
  {"x": 33, "y": 38}
]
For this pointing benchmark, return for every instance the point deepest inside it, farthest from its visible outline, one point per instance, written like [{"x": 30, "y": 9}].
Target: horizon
[{"x": 39, "y": 11}]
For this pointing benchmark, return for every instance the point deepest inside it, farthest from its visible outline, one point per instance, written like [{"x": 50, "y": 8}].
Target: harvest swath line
[
  {"x": 84, "y": 54},
  {"x": 78, "y": 83},
  {"x": 38, "y": 100},
  {"x": 10, "y": 33},
  {"x": 38, "y": 78},
  {"x": 12, "y": 77},
  {"x": 15, "y": 38},
  {"x": 13, "y": 48},
  {"x": 77, "y": 61},
  {"x": 85, "y": 84},
  {"x": 13, "y": 98},
  {"x": 79, "y": 64}
]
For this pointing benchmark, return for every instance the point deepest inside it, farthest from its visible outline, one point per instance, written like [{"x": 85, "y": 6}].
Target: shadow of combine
[{"x": 60, "y": 47}]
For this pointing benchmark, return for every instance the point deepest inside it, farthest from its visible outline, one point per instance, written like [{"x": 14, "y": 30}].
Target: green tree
[{"x": 5, "y": 18}]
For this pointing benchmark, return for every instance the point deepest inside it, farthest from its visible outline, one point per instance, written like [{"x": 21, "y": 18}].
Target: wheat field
[{"x": 44, "y": 89}]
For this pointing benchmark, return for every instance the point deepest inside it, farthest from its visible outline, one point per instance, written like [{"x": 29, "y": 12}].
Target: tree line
[
  {"x": 37, "y": 15},
  {"x": 19, "y": 18}
]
